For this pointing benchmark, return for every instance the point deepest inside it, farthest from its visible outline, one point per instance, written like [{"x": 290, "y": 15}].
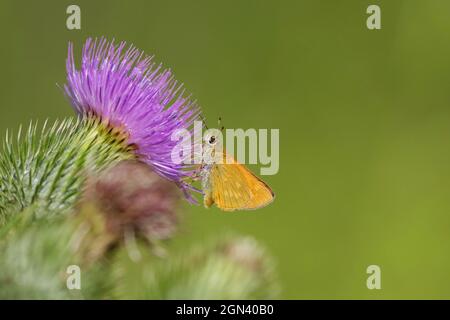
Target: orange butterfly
[{"x": 229, "y": 184}]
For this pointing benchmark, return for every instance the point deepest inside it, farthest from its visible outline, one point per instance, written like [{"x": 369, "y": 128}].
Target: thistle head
[
  {"x": 125, "y": 90},
  {"x": 131, "y": 196}
]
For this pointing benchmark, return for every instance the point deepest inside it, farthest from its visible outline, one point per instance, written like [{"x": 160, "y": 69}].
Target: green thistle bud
[
  {"x": 48, "y": 169},
  {"x": 232, "y": 268}
]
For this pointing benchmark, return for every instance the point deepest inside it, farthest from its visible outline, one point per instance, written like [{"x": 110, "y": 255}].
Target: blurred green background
[{"x": 364, "y": 119}]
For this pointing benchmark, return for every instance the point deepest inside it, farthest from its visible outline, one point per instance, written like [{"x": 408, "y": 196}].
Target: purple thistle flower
[{"x": 127, "y": 90}]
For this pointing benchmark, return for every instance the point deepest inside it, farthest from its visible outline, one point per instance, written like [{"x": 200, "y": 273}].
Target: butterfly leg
[
  {"x": 195, "y": 176},
  {"x": 208, "y": 200}
]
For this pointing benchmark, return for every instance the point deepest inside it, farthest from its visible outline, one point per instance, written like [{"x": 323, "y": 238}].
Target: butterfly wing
[
  {"x": 234, "y": 187},
  {"x": 262, "y": 194}
]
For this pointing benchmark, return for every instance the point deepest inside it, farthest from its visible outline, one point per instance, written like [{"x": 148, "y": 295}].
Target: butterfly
[{"x": 228, "y": 184}]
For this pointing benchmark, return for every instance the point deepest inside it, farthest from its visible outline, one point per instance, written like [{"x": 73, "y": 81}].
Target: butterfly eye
[{"x": 212, "y": 140}]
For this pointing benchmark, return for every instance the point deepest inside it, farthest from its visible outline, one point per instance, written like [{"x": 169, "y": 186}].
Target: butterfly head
[
  {"x": 212, "y": 146},
  {"x": 211, "y": 140}
]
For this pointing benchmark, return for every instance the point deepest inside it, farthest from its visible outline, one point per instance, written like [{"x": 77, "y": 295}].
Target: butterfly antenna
[
  {"x": 204, "y": 121},
  {"x": 219, "y": 123}
]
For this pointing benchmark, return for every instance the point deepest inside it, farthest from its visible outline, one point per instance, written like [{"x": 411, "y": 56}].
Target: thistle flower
[{"x": 126, "y": 91}]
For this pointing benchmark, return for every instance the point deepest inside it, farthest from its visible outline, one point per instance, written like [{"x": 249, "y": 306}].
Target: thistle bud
[{"x": 132, "y": 196}]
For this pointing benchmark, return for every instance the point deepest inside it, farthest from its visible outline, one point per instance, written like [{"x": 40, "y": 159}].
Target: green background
[{"x": 364, "y": 119}]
